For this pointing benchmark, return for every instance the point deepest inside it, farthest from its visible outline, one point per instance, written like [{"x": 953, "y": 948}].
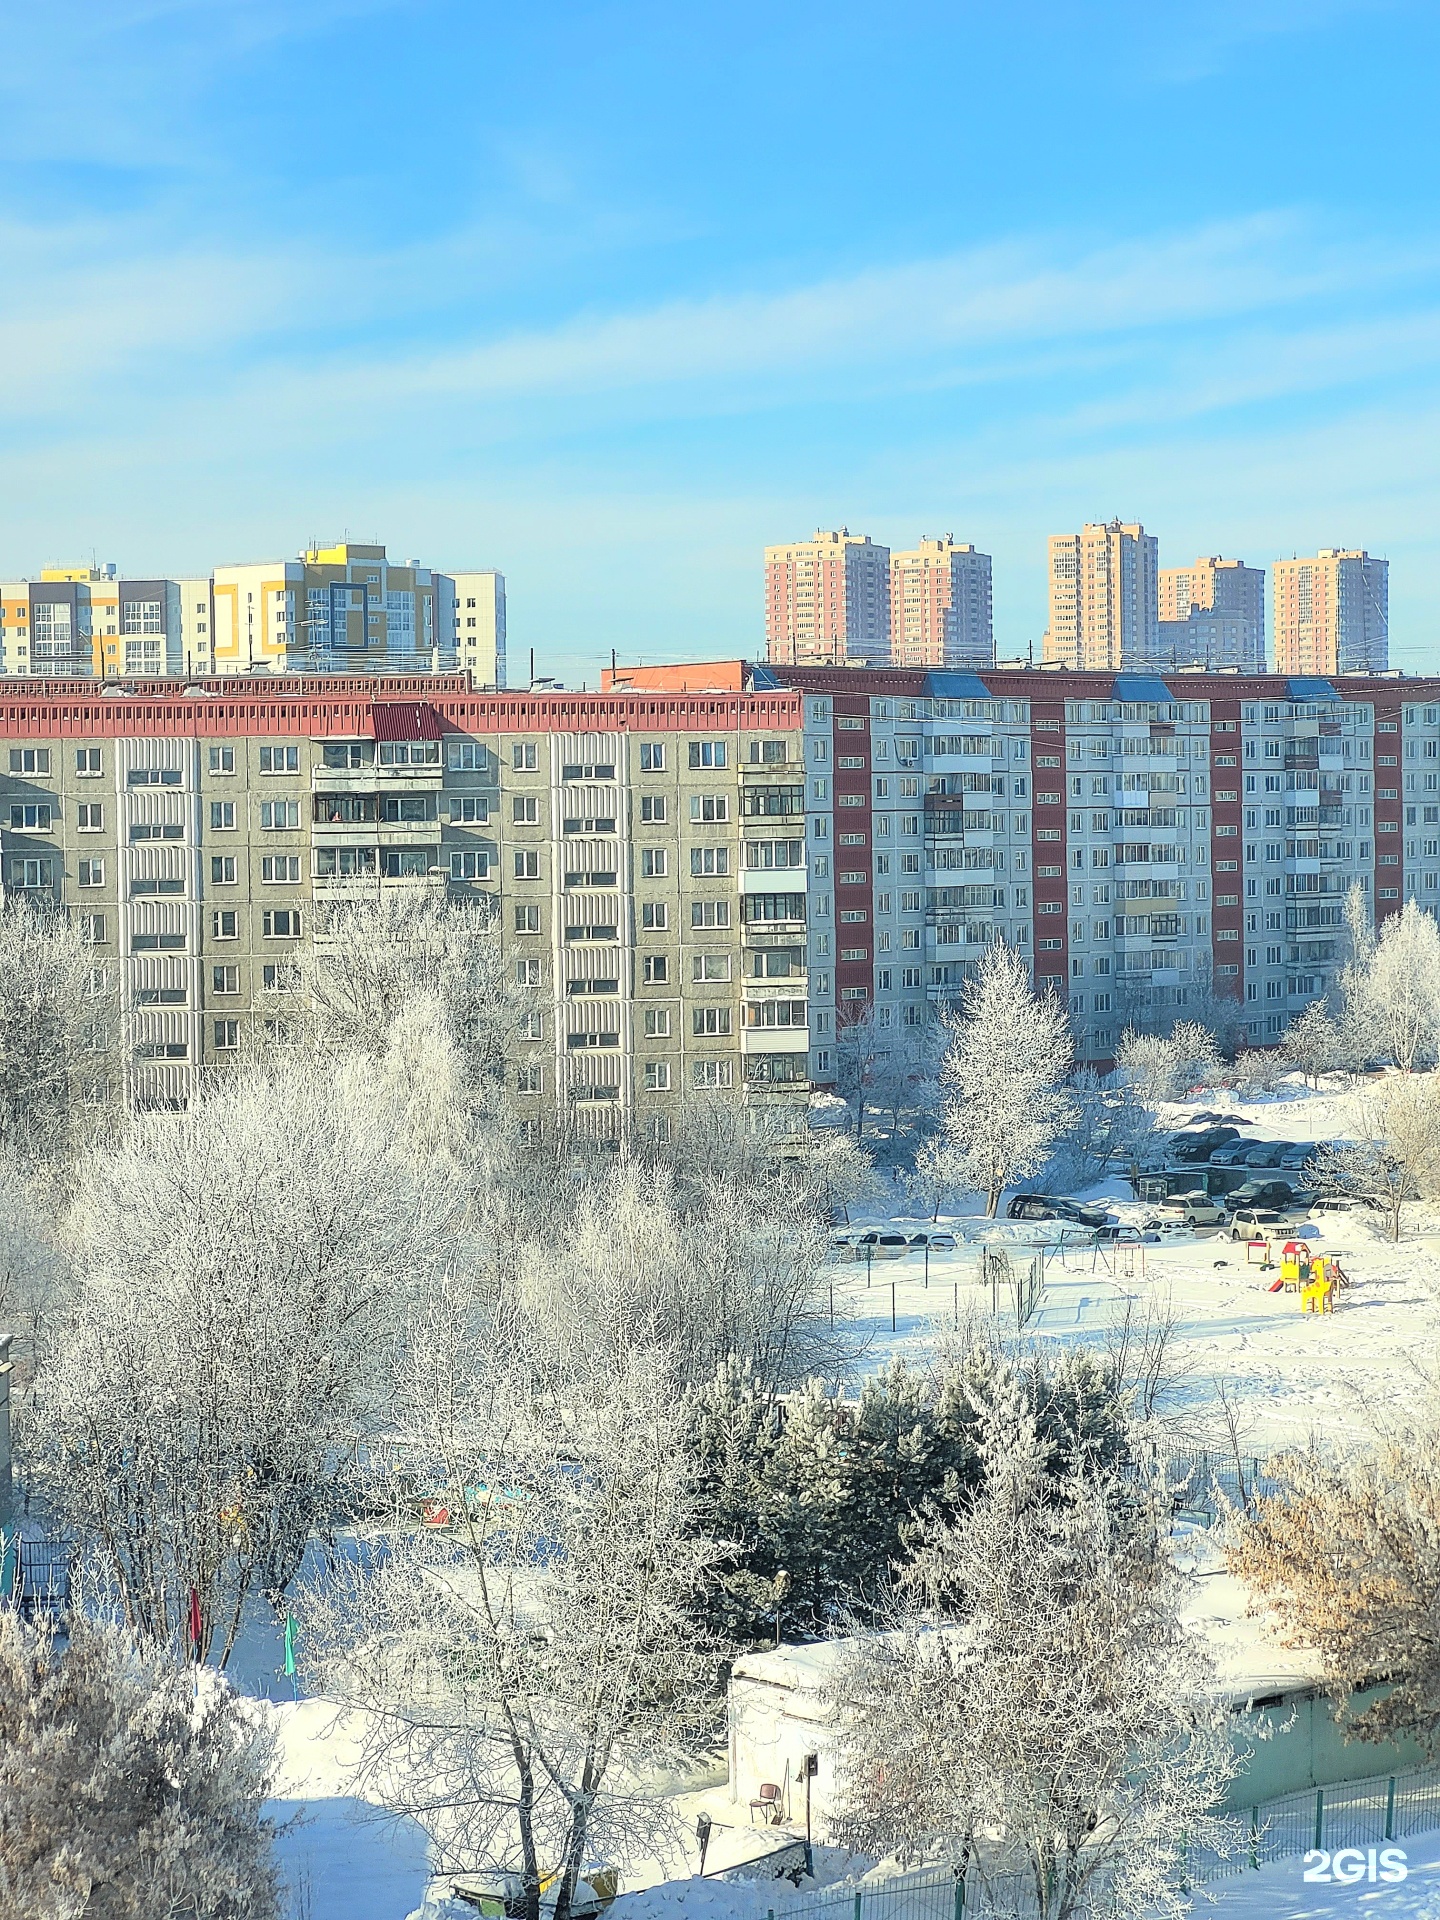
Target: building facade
[
  {"x": 1104, "y": 598},
  {"x": 334, "y": 610},
  {"x": 827, "y": 601},
  {"x": 1212, "y": 614},
  {"x": 1332, "y": 613},
  {"x": 941, "y": 606},
  {"x": 706, "y": 874}
]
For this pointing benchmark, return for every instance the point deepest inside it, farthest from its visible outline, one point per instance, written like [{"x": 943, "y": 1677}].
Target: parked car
[
  {"x": 1123, "y": 1236},
  {"x": 1200, "y": 1146},
  {"x": 1296, "y": 1158},
  {"x": 1333, "y": 1203},
  {"x": 1263, "y": 1193},
  {"x": 936, "y": 1239},
  {"x": 1252, "y": 1223},
  {"x": 1204, "y": 1210},
  {"x": 1043, "y": 1206},
  {"x": 1265, "y": 1153},
  {"x": 1230, "y": 1156},
  {"x": 1162, "y": 1229}
]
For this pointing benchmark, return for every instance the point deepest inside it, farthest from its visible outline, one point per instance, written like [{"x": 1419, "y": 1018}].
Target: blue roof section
[
  {"x": 764, "y": 679},
  {"x": 1142, "y": 687},
  {"x": 1312, "y": 690},
  {"x": 956, "y": 686}
]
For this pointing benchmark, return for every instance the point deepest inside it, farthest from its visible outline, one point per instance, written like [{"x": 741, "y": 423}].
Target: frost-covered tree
[
  {"x": 1346, "y": 1559},
  {"x": 1312, "y": 1042},
  {"x": 1001, "y": 1079},
  {"x": 527, "y": 1669},
  {"x": 241, "y": 1272},
  {"x": 1396, "y": 1155},
  {"x": 123, "y": 1792},
  {"x": 1402, "y": 987},
  {"x": 1037, "y": 1688},
  {"x": 61, "y": 1046}
]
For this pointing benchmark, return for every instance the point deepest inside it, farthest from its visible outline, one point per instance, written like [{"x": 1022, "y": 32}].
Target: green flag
[{"x": 290, "y": 1631}]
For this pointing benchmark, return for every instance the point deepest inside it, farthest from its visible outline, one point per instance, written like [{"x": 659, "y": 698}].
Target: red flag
[{"x": 196, "y": 1625}]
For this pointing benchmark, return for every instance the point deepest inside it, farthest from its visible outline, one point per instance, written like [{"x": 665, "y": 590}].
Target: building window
[
  {"x": 527, "y": 866},
  {"x": 654, "y": 916},
  {"x": 227, "y": 1035},
  {"x": 280, "y": 867},
  {"x": 527, "y": 973},
  {"x": 652, "y": 756},
  {"x": 707, "y": 808},
  {"x": 282, "y": 923},
  {"x": 225, "y": 925},
  {"x": 87, "y": 762},
  {"x": 29, "y": 760},
  {"x": 92, "y": 928},
  {"x": 471, "y": 866},
  {"x": 527, "y": 919},
  {"x": 225, "y": 979},
  {"x": 525, "y": 811},
  {"x": 91, "y": 816},
  {"x": 653, "y": 807},
  {"x": 710, "y": 966},
  {"x": 711, "y": 1073},
  {"x": 657, "y": 1076},
  {"x": 279, "y": 759},
  {"x": 654, "y": 863},
  {"x": 222, "y": 759},
  {"x": 713, "y": 862},
  {"x": 222, "y": 816},
  {"x": 657, "y": 1023},
  {"x": 522, "y": 756},
  {"x": 709, "y": 913},
  {"x": 707, "y": 753},
  {"x": 656, "y": 972},
  {"x": 92, "y": 873},
  {"x": 32, "y": 818},
  {"x": 222, "y": 869},
  {"x": 466, "y": 756}
]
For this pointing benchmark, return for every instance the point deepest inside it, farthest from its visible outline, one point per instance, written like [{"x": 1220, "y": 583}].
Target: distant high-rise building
[
  {"x": 941, "y": 612},
  {"x": 1332, "y": 613},
  {"x": 1104, "y": 597},
  {"x": 827, "y": 601},
  {"x": 1212, "y": 614}
]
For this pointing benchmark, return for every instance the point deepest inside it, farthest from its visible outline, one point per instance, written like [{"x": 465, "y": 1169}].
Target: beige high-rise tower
[
  {"x": 940, "y": 606},
  {"x": 1104, "y": 597},
  {"x": 1212, "y": 614},
  {"x": 827, "y": 601},
  {"x": 1332, "y": 613}
]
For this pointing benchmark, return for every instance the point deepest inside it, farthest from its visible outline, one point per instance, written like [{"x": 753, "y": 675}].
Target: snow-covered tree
[
  {"x": 61, "y": 1045},
  {"x": 241, "y": 1270},
  {"x": 1165, "y": 1066},
  {"x": 123, "y": 1792},
  {"x": 1395, "y": 1157},
  {"x": 1002, "y": 1079},
  {"x": 528, "y": 1668},
  {"x": 1036, "y": 1687},
  {"x": 1312, "y": 1042},
  {"x": 1346, "y": 1558},
  {"x": 1402, "y": 987}
]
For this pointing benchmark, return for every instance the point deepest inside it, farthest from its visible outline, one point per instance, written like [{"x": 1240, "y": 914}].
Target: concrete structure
[
  {"x": 1150, "y": 841},
  {"x": 1212, "y": 614},
  {"x": 335, "y": 609},
  {"x": 1332, "y": 613},
  {"x": 827, "y": 601},
  {"x": 708, "y": 871},
  {"x": 941, "y": 610},
  {"x": 1104, "y": 598}
]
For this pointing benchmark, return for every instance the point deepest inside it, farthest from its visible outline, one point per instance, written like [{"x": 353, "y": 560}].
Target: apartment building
[
  {"x": 1152, "y": 842},
  {"x": 644, "y": 856},
  {"x": 705, "y": 873},
  {"x": 1104, "y": 598},
  {"x": 337, "y": 609},
  {"x": 941, "y": 606},
  {"x": 1332, "y": 613},
  {"x": 83, "y": 622},
  {"x": 1212, "y": 614},
  {"x": 827, "y": 601}
]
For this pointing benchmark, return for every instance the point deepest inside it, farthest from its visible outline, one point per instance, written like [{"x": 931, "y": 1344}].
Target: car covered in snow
[
  {"x": 1044, "y": 1206},
  {"x": 938, "y": 1239},
  {"x": 1255, "y": 1223},
  {"x": 1162, "y": 1229}
]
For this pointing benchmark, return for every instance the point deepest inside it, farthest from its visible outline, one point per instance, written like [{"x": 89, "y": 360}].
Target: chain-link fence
[{"x": 1354, "y": 1813}]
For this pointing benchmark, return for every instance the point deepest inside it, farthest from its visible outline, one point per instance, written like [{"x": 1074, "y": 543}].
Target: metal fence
[
  {"x": 1203, "y": 1482},
  {"x": 937, "y": 1893},
  {"x": 1354, "y": 1813}
]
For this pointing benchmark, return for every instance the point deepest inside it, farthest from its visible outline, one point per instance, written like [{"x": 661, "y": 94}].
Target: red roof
[{"x": 405, "y": 720}]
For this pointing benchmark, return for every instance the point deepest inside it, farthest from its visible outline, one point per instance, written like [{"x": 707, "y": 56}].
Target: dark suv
[
  {"x": 1264, "y": 1193},
  {"x": 1041, "y": 1206},
  {"x": 1200, "y": 1146}
]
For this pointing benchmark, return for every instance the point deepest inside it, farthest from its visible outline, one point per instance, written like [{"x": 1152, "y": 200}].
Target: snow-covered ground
[{"x": 1288, "y": 1375}]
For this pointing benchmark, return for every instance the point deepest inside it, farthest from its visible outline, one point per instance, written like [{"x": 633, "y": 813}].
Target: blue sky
[{"x": 609, "y": 296}]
